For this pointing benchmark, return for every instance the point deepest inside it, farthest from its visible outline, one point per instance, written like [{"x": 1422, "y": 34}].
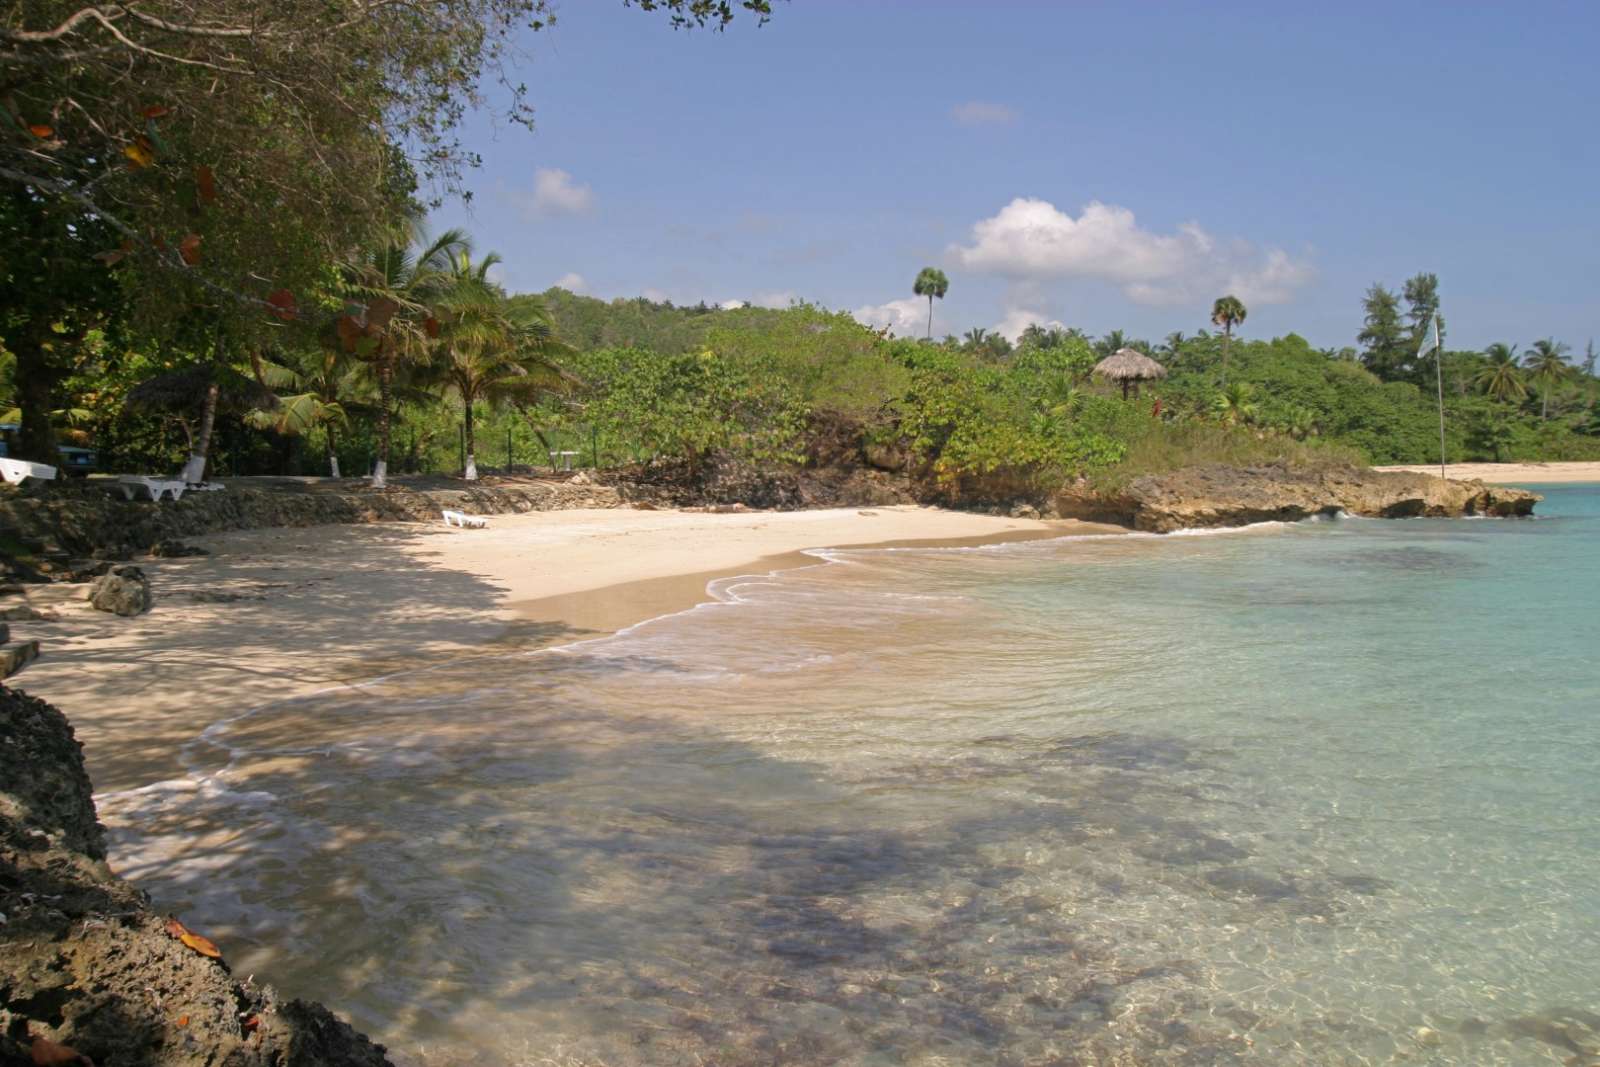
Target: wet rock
[{"x": 123, "y": 590}]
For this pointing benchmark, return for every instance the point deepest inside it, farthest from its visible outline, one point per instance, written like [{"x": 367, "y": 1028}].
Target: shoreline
[
  {"x": 1555, "y": 473},
  {"x": 276, "y": 614}
]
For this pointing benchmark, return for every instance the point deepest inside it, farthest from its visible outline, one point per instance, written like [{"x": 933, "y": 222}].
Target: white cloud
[
  {"x": 1032, "y": 240},
  {"x": 906, "y": 318},
  {"x": 1017, "y": 319},
  {"x": 572, "y": 282},
  {"x": 978, "y": 113},
  {"x": 555, "y": 193},
  {"x": 732, "y": 305}
]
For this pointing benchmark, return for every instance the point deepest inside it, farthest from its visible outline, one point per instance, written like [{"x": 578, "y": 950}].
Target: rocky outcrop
[
  {"x": 1238, "y": 496},
  {"x": 86, "y": 965}
]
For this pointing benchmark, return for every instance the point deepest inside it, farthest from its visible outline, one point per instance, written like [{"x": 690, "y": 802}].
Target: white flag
[{"x": 1431, "y": 340}]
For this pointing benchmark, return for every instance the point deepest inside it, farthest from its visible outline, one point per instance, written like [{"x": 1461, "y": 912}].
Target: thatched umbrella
[{"x": 1130, "y": 368}]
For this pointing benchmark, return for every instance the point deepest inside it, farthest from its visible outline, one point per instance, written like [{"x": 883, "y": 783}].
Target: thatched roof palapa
[
  {"x": 1130, "y": 367},
  {"x": 1128, "y": 364}
]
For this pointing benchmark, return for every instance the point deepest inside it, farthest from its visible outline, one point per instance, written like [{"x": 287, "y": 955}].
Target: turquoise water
[{"x": 1324, "y": 793}]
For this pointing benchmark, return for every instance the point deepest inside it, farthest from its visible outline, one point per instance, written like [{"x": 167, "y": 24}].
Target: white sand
[
  {"x": 1513, "y": 473},
  {"x": 331, "y": 605}
]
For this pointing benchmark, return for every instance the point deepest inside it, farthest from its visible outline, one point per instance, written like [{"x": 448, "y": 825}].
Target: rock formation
[
  {"x": 86, "y": 965},
  {"x": 1237, "y": 496}
]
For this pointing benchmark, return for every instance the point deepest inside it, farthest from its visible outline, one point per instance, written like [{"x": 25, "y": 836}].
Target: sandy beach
[
  {"x": 272, "y": 614},
  {"x": 1513, "y": 473}
]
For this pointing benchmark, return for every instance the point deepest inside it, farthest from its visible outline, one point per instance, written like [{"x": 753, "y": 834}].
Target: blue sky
[{"x": 1293, "y": 153}]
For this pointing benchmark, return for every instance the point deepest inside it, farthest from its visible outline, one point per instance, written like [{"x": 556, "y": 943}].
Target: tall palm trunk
[
  {"x": 471, "y": 471},
  {"x": 380, "y": 469},
  {"x": 333, "y": 452},
  {"x": 1546, "y": 415},
  {"x": 194, "y": 471},
  {"x": 1227, "y": 344},
  {"x": 930, "y": 316}
]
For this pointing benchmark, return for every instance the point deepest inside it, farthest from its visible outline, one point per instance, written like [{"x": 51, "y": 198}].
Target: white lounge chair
[
  {"x": 465, "y": 521},
  {"x": 135, "y": 486},
  {"x": 17, "y": 471}
]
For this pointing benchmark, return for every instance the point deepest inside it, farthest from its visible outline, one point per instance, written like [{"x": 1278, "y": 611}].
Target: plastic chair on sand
[{"x": 465, "y": 521}]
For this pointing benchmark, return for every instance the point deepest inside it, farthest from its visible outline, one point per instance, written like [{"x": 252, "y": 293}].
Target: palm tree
[
  {"x": 974, "y": 338},
  {"x": 324, "y": 382},
  {"x": 1236, "y": 404},
  {"x": 1227, "y": 312},
  {"x": 491, "y": 348},
  {"x": 1501, "y": 378},
  {"x": 1112, "y": 343},
  {"x": 931, "y": 283},
  {"x": 391, "y": 325},
  {"x": 1547, "y": 365},
  {"x": 1175, "y": 341}
]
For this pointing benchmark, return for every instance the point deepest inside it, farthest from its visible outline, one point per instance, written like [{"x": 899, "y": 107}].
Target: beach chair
[
  {"x": 137, "y": 486},
  {"x": 17, "y": 471},
  {"x": 465, "y": 521}
]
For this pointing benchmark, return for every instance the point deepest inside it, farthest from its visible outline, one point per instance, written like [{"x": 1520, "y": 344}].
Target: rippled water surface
[{"x": 1314, "y": 794}]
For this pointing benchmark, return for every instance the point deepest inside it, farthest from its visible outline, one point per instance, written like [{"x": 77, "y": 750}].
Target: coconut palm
[
  {"x": 315, "y": 391},
  {"x": 974, "y": 338},
  {"x": 1175, "y": 341},
  {"x": 1112, "y": 343},
  {"x": 1236, "y": 404},
  {"x": 1547, "y": 365},
  {"x": 1501, "y": 378},
  {"x": 931, "y": 283},
  {"x": 491, "y": 348},
  {"x": 1227, "y": 312},
  {"x": 389, "y": 324}
]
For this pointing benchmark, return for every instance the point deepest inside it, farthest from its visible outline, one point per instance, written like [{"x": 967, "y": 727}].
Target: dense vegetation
[{"x": 211, "y": 259}]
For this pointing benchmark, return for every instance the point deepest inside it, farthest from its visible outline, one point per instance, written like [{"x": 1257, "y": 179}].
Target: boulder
[{"x": 122, "y": 590}]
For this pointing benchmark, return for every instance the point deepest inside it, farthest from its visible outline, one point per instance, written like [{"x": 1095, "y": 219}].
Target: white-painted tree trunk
[
  {"x": 194, "y": 470},
  {"x": 380, "y": 474},
  {"x": 472, "y": 468},
  {"x": 333, "y": 463}
]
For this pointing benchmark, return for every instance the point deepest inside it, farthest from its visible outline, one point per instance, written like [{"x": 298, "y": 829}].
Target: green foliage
[{"x": 652, "y": 405}]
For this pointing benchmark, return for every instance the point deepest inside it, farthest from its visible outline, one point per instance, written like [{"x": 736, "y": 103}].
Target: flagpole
[{"x": 1438, "y": 366}]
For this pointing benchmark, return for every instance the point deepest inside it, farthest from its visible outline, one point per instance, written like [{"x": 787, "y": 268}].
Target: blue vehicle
[{"x": 76, "y": 462}]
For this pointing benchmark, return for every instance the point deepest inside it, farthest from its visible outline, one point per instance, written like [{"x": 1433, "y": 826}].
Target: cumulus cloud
[
  {"x": 732, "y": 305},
  {"x": 572, "y": 282},
  {"x": 978, "y": 113},
  {"x": 556, "y": 193},
  {"x": 1031, "y": 241},
  {"x": 907, "y": 317},
  {"x": 1017, "y": 319}
]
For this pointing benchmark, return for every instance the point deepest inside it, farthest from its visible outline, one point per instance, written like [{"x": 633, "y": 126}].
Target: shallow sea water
[{"x": 1324, "y": 793}]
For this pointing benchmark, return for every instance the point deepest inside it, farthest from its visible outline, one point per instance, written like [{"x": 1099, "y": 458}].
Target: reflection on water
[{"x": 1292, "y": 796}]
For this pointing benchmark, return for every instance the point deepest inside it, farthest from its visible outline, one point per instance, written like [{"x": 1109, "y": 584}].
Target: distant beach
[{"x": 1513, "y": 473}]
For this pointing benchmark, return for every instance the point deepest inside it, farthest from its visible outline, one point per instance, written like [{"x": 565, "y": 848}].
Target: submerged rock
[
  {"x": 1238, "y": 496},
  {"x": 85, "y": 963}
]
